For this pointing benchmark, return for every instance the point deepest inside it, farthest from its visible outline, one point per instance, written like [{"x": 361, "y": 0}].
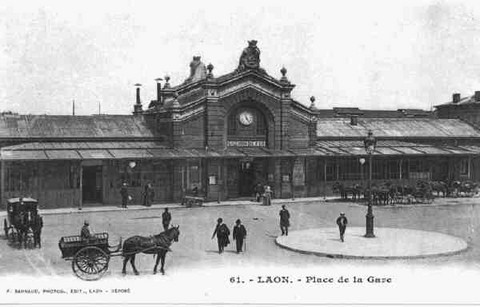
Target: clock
[{"x": 246, "y": 118}]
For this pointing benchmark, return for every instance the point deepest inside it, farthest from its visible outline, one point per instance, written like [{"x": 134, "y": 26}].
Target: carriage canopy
[{"x": 19, "y": 204}]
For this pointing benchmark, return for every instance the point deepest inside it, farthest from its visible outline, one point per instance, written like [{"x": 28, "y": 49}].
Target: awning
[
  {"x": 394, "y": 148},
  {"x": 153, "y": 150}
]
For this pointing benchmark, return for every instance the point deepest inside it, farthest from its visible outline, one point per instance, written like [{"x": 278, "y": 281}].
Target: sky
[{"x": 367, "y": 54}]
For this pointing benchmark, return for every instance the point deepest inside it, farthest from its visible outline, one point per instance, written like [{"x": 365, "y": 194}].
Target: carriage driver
[{"x": 85, "y": 233}]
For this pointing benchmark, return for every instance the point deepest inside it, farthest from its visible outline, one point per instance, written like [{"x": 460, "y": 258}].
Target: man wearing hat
[
  {"x": 284, "y": 220},
  {"x": 124, "y": 194},
  {"x": 166, "y": 218},
  {"x": 85, "y": 233},
  {"x": 222, "y": 232},
  {"x": 239, "y": 234},
  {"x": 342, "y": 224}
]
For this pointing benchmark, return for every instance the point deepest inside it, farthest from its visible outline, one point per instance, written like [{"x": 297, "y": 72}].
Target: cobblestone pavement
[{"x": 195, "y": 248}]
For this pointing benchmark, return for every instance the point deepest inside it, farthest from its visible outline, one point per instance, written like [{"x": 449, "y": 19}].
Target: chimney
[
  {"x": 353, "y": 120},
  {"x": 137, "y": 107},
  {"x": 159, "y": 90},
  {"x": 477, "y": 95},
  {"x": 456, "y": 98}
]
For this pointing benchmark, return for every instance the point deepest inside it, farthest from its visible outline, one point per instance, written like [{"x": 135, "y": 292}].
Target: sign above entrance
[{"x": 246, "y": 143}]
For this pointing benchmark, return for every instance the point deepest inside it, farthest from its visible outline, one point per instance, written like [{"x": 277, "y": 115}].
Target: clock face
[{"x": 246, "y": 118}]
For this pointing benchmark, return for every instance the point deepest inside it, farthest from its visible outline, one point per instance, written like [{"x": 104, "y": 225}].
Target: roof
[
  {"x": 395, "y": 128},
  {"x": 468, "y": 100},
  {"x": 393, "y": 148},
  {"x": 24, "y": 199},
  {"x": 66, "y": 126},
  {"x": 346, "y": 112}
]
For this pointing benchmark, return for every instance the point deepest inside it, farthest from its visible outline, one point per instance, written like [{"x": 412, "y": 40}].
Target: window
[
  {"x": 331, "y": 169},
  {"x": 418, "y": 169},
  {"x": 261, "y": 125},
  {"x": 232, "y": 124},
  {"x": 464, "y": 167}
]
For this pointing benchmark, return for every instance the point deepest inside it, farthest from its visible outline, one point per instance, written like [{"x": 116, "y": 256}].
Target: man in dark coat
[
  {"x": 124, "y": 194},
  {"x": 37, "y": 230},
  {"x": 222, "y": 232},
  {"x": 166, "y": 218},
  {"x": 342, "y": 224},
  {"x": 284, "y": 220},
  {"x": 239, "y": 234}
]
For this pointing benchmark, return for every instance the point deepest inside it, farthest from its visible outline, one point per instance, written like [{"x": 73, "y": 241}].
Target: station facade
[{"x": 222, "y": 136}]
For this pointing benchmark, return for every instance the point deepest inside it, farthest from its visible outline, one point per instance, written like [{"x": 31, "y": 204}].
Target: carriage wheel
[{"x": 90, "y": 263}]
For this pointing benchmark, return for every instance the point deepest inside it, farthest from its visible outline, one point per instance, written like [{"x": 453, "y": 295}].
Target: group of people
[
  {"x": 263, "y": 192},
  {"x": 222, "y": 232},
  {"x": 148, "y": 195}
]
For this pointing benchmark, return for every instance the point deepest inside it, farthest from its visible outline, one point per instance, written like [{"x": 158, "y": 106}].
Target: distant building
[
  {"x": 221, "y": 135},
  {"x": 466, "y": 108}
]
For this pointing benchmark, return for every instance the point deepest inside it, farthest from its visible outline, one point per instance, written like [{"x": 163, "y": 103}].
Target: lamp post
[{"x": 369, "y": 143}]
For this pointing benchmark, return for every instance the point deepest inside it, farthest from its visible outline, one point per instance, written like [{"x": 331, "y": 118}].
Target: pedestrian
[
  {"x": 124, "y": 194},
  {"x": 148, "y": 195},
  {"x": 267, "y": 195},
  {"x": 37, "y": 230},
  {"x": 258, "y": 189},
  {"x": 222, "y": 232},
  {"x": 284, "y": 220},
  {"x": 166, "y": 218},
  {"x": 342, "y": 224},
  {"x": 239, "y": 234},
  {"x": 85, "y": 233}
]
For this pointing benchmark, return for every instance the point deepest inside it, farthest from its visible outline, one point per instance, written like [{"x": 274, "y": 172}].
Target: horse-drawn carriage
[
  {"x": 387, "y": 193},
  {"x": 91, "y": 256},
  {"x": 23, "y": 224}
]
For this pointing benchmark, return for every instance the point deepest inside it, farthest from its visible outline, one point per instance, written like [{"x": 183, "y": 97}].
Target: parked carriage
[{"x": 23, "y": 224}]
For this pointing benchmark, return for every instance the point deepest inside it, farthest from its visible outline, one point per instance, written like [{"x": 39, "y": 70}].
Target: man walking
[
  {"x": 239, "y": 234},
  {"x": 222, "y": 232},
  {"x": 166, "y": 218},
  {"x": 342, "y": 224},
  {"x": 124, "y": 194},
  {"x": 37, "y": 230},
  {"x": 284, "y": 220}
]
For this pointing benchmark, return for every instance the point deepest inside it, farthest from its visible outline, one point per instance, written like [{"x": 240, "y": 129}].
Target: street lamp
[{"x": 369, "y": 143}]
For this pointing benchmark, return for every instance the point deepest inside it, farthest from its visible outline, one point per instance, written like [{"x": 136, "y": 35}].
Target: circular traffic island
[{"x": 389, "y": 243}]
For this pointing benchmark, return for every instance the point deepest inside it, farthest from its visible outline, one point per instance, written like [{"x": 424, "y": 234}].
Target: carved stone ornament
[
  {"x": 198, "y": 71},
  {"x": 250, "y": 57}
]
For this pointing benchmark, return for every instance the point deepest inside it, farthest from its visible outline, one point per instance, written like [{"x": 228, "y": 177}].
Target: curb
[
  {"x": 334, "y": 255},
  {"x": 340, "y": 256},
  {"x": 157, "y": 207}
]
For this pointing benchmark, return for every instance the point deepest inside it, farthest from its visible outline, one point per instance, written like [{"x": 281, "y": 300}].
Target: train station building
[{"x": 224, "y": 134}]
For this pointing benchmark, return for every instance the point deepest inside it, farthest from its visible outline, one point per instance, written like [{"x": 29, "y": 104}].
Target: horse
[
  {"x": 157, "y": 245},
  {"x": 355, "y": 190},
  {"x": 23, "y": 225},
  {"x": 440, "y": 187}
]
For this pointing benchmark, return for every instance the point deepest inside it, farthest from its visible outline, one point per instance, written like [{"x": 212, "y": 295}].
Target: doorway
[
  {"x": 246, "y": 179},
  {"x": 92, "y": 184}
]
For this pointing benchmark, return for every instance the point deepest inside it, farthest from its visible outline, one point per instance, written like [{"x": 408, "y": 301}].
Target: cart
[{"x": 90, "y": 257}]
